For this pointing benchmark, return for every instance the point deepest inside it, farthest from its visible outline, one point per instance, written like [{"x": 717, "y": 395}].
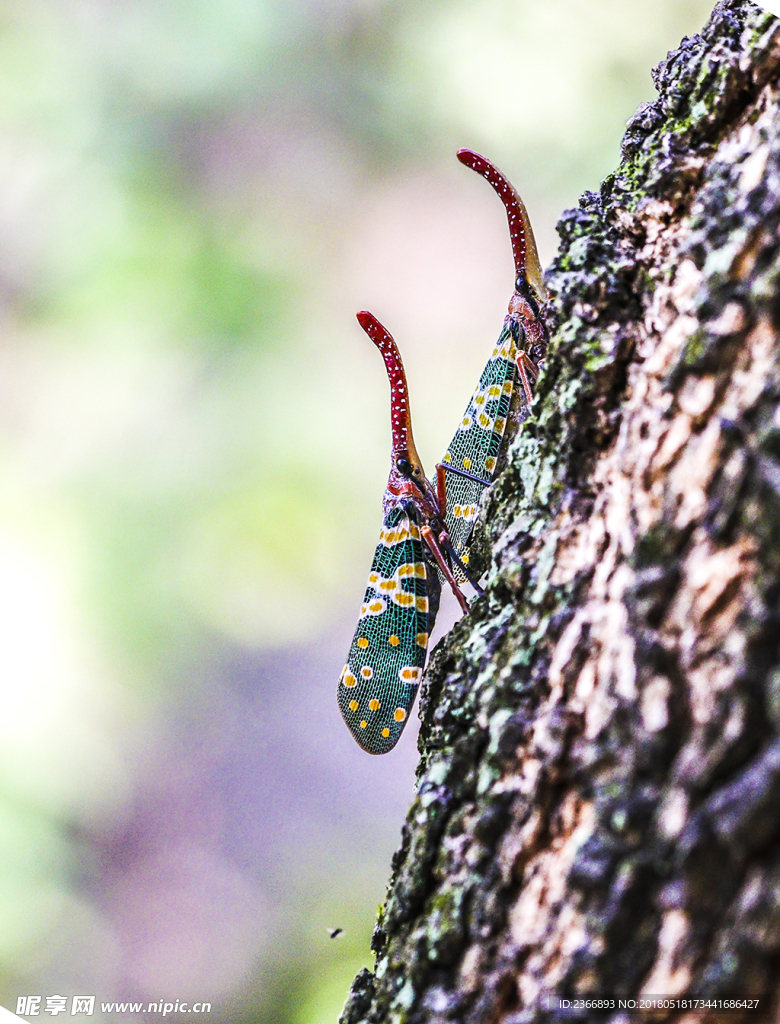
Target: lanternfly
[
  {"x": 379, "y": 682},
  {"x": 505, "y": 388}
]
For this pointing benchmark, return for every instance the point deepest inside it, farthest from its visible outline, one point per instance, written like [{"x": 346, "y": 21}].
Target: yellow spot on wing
[
  {"x": 421, "y": 639},
  {"x": 362, "y": 642},
  {"x": 467, "y": 463},
  {"x": 366, "y": 672},
  {"x": 350, "y": 680},
  {"x": 374, "y": 704},
  {"x": 363, "y": 724},
  {"x": 393, "y": 640},
  {"x": 385, "y": 733},
  {"x": 399, "y": 715},
  {"x": 391, "y": 537},
  {"x": 353, "y": 705},
  {"x": 412, "y": 569}
]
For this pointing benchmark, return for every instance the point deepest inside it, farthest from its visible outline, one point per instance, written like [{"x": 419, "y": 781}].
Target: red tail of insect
[
  {"x": 523, "y": 241},
  {"x": 400, "y": 417}
]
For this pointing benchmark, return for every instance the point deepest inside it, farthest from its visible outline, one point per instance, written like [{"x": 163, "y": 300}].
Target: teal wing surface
[
  {"x": 378, "y": 684},
  {"x": 477, "y": 442}
]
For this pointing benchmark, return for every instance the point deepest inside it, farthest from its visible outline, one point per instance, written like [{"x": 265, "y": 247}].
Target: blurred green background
[{"x": 195, "y": 198}]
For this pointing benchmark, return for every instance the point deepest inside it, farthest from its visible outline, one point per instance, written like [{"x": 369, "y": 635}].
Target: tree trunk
[{"x": 598, "y": 808}]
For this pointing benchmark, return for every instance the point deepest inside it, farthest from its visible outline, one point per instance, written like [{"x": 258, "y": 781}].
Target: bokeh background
[{"x": 195, "y": 198}]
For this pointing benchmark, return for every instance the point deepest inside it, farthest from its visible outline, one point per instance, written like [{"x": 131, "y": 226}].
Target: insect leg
[
  {"x": 445, "y": 467},
  {"x": 434, "y": 588},
  {"x": 441, "y": 485},
  {"x": 521, "y": 369},
  {"x": 447, "y": 545},
  {"x": 430, "y": 539}
]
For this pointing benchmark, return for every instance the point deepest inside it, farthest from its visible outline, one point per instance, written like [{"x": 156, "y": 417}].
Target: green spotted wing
[
  {"x": 477, "y": 442},
  {"x": 378, "y": 684}
]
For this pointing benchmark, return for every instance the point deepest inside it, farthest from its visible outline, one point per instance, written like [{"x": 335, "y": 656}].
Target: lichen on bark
[{"x": 598, "y": 797}]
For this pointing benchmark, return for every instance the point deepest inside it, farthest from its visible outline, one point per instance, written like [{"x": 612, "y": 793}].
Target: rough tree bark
[{"x": 598, "y": 806}]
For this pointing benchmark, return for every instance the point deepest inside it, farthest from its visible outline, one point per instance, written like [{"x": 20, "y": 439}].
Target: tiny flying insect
[
  {"x": 505, "y": 389},
  {"x": 379, "y": 682}
]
